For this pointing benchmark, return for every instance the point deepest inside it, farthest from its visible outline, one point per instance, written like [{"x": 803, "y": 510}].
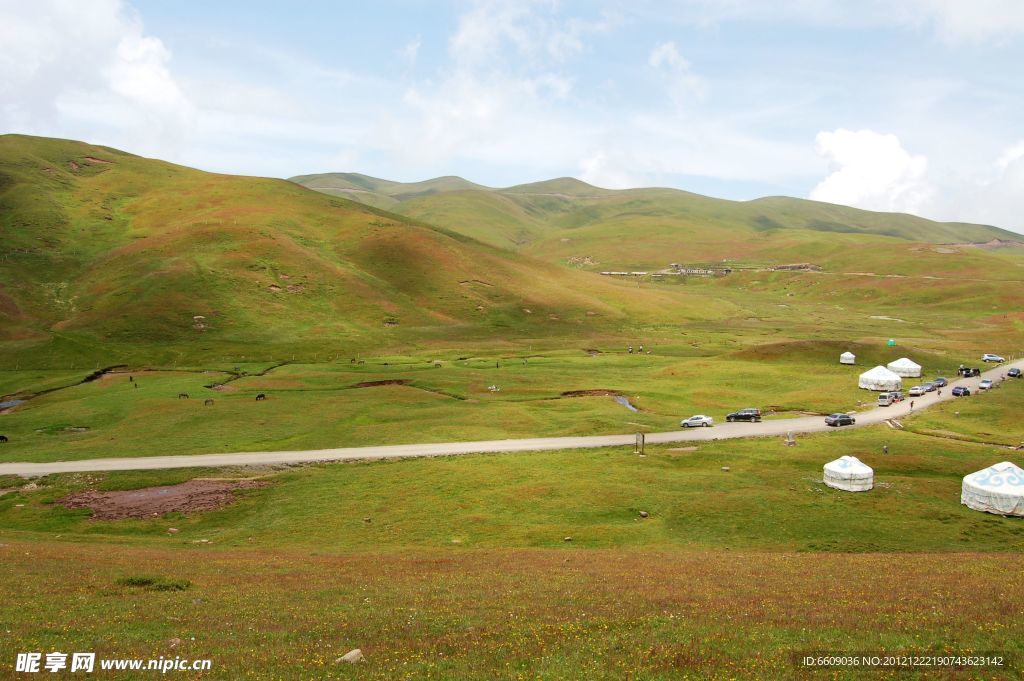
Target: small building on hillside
[
  {"x": 847, "y": 358},
  {"x": 997, "y": 489},
  {"x": 880, "y": 379},
  {"x": 905, "y": 367},
  {"x": 849, "y": 474}
]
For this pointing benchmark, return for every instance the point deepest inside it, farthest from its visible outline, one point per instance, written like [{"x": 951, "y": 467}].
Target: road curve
[{"x": 774, "y": 427}]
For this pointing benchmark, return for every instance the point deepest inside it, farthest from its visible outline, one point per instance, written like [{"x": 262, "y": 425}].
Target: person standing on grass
[
  {"x": 885, "y": 448},
  {"x": 911, "y": 405}
]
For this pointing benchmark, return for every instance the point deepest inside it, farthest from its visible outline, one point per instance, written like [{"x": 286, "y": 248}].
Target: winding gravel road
[{"x": 772, "y": 427}]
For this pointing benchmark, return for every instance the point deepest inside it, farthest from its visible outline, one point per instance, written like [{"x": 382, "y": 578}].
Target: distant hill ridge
[{"x": 534, "y": 216}]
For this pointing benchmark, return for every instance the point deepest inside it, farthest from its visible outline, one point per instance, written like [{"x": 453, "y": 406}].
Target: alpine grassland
[{"x": 149, "y": 309}]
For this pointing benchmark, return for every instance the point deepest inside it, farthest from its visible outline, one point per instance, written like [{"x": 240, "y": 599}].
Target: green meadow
[{"x": 372, "y": 312}]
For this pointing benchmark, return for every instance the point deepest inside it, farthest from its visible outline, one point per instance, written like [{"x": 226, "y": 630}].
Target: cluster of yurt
[
  {"x": 880, "y": 378},
  {"x": 850, "y": 474},
  {"x": 997, "y": 489},
  {"x": 905, "y": 368}
]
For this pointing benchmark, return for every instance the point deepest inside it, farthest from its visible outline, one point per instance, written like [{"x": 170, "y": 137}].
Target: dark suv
[
  {"x": 941, "y": 382},
  {"x": 1013, "y": 373},
  {"x": 750, "y": 414}
]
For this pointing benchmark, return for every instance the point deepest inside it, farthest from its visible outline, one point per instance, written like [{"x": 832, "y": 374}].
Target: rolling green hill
[
  {"x": 103, "y": 248},
  {"x": 569, "y": 221}
]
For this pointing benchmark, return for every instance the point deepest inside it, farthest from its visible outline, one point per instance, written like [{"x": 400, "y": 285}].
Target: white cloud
[
  {"x": 963, "y": 21},
  {"x": 410, "y": 51},
  {"x": 683, "y": 84},
  {"x": 872, "y": 170},
  {"x": 951, "y": 21},
  {"x": 993, "y": 197},
  {"x": 599, "y": 170},
  {"x": 66, "y": 67}
]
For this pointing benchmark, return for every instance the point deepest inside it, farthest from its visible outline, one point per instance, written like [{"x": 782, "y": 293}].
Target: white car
[
  {"x": 989, "y": 357},
  {"x": 916, "y": 391},
  {"x": 696, "y": 421},
  {"x": 985, "y": 384}
]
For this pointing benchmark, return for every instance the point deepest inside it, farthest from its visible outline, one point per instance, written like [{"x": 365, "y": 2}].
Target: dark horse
[
  {"x": 261, "y": 397},
  {"x": 208, "y": 403},
  {"x": 3, "y": 438},
  {"x": 182, "y": 396}
]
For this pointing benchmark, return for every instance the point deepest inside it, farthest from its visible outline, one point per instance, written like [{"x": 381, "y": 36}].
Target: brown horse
[
  {"x": 208, "y": 403},
  {"x": 182, "y": 396}
]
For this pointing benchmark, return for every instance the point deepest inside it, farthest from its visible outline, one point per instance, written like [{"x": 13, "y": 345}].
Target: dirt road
[{"x": 768, "y": 428}]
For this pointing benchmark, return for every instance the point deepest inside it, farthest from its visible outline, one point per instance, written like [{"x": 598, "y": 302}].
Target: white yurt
[
  {"x": 847, "y": 358},
  {"x": 880, "y": 378},
  {"x": 998, "y": 489},
  {"x": 905, "y": 367},
  {"x": 850, "y": 474}
]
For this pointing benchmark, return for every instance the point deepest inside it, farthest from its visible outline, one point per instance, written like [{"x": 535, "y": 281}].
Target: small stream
[{"x": 624, "y": 401}]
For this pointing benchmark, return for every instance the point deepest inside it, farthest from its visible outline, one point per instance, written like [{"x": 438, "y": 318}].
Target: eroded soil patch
[
  {"x": 189, "y": 497},
  {"x": 374, "y": 384},
  {"x": 596, "y": 392}
]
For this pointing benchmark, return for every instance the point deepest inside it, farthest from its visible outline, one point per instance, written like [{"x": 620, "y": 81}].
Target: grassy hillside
[
  {"x": 104, "y": 248},
  {"x": 572, "y": 222}
]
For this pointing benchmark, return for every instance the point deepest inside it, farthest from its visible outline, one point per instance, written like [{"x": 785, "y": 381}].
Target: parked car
[
  {"x": 697, "y": 421},
  {"x": 985, "y": 384},
  {"x": 989, "y": 357},
  {"x": 961, "y": 391},
  {"x": 940, "y": 382},
  {"x": 967, "y": 372},
  {"x": 1013, "y": 373},
  {"x": 749, "y": 414},
  {"x": 916, "y": 391},
  {"x": 836, "y": 420},
  {"x": 898, "y": 395},
  {"x": 929, "y": 387},
  {"x": 885, "y": 399}
]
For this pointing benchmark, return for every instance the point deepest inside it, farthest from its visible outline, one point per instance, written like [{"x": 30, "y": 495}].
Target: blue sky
[{"x": 906, "y": 105}]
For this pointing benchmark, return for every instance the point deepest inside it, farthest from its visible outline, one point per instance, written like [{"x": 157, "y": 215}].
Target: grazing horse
[
  {"x": 3, "y": 438},
  {"x": 208, "y": 403},
  {"x": 182, "y": 396},
  {"x": 261, "y": 397}
]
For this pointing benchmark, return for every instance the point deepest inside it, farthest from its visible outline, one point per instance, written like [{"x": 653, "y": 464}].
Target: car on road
[
  {"x": 891, "y": 397},
  {"x": 697, "y": 421},
  {"x": 989, "y": 357},
  {"x": 985, "y": 384},
  {"x": 1013, "y": 373},
  {"x": 929, "y": 387},
  {"x": 836, "y": 420},
  {"x": 941, "y": 382},
  {"x": 916, "y": 391},
  {"x": 749, "y": 414},
  {"x": 961, "y": 391}
]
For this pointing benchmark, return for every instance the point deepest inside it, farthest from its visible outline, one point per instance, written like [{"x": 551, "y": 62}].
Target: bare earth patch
[
  {"x": 189, "y": 497},
  {"x": 597, "y": 392},
  {"x": 374, "y": 384}
]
